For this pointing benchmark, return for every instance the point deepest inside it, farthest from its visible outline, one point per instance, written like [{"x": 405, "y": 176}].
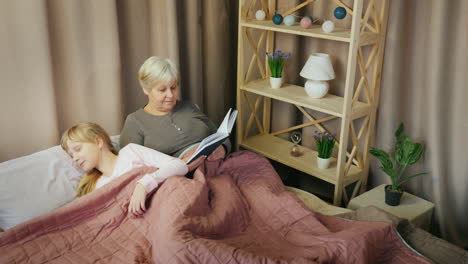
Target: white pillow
[{"x": 36, "y": 184}]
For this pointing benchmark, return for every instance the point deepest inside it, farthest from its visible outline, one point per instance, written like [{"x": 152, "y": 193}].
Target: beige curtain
[
  {"x": 65, "y": 61},
  {"x": 424, "y": 85},
  {"x": 61, "y": 65}
]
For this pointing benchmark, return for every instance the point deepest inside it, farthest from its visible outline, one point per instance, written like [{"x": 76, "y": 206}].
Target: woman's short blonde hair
[
  {"x": 87, "y": 132},
  {"x": 156, "y": 69}
]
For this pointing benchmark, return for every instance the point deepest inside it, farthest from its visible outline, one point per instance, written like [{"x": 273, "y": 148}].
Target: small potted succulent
[
  {"x": 276, "y": 63},
  {"x": 325, "y": 143},
  {"x": 406, "y": 153}
]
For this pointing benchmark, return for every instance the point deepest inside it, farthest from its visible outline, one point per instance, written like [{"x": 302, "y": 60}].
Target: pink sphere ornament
[{"x": 306, "y": 22}]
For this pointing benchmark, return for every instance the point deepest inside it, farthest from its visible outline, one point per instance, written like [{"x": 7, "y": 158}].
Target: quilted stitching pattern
[{"x": 236, "y": 211}]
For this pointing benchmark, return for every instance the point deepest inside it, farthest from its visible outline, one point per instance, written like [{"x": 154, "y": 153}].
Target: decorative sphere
[
  {"x": 328, "y": 26},
  {"x": 311, "y": 19},
  {"x": 260, "y": 15},
  {"x": 289, "y": 20},
  {"x": 340, "y": 12},
  {"x": 306, "y": 22},
  {"x": 277, "y": 19}
]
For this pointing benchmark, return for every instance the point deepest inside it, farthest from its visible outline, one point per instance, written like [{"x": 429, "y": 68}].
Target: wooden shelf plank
[
  {"x": 338, "y": 34},
  {"x": 330, "y": 104},
  {"x": 278, "y": 149}
]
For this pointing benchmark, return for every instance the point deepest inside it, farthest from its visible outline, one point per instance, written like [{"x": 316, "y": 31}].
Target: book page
[
  {"x": 210, "y": 143},
  {"x": 211, "y": 138},
  {"x": 232, "y": 120},
  {"x": 223, "y": 128}
]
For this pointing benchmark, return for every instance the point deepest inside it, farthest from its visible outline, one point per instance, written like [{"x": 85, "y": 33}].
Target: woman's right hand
[
  {"x": 194, "y": 164},
  {"x": 218, "y": 153}
]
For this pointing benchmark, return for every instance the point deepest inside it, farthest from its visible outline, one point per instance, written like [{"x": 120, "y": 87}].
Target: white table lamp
[{"x": 317, "y": 70}]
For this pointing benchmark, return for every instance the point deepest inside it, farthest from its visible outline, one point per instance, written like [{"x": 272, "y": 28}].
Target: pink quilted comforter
[{"x": 237, "y": 211}]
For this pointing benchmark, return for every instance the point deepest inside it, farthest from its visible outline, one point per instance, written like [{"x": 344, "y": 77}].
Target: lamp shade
[{"x": 318, "y": 67}]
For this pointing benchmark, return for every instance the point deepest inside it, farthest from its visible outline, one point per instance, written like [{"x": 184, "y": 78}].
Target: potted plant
[
  {"x": 406, "y": 153},
  {"x": 325, "y": 143},
  {"x": 276, "y": 63}
]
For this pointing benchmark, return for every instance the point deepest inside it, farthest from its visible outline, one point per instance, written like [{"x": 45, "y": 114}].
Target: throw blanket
[{"x": 233, "y": 211}]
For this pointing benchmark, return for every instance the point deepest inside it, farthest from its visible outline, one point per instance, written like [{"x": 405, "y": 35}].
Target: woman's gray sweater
[{"x": 171, "y": 133}]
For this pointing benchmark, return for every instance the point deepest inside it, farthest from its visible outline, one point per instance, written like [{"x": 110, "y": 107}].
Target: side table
[{"x": 417, "y": 210}]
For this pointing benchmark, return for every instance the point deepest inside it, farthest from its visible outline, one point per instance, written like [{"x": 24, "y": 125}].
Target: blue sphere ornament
[
  {"x": 289, "y": 20},
  {"x": 340, "y": 12},
  {"x": 277, "y": 19}
]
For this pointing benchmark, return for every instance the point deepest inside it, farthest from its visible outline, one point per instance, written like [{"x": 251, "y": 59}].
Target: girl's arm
[{"x": 167, "y": 165}]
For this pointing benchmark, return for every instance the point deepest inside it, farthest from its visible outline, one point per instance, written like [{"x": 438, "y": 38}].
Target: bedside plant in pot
[
  {"x": 276, "y": 63},
  {"x": 325, "y": 143},
  {"x": 406, "y": 153}
]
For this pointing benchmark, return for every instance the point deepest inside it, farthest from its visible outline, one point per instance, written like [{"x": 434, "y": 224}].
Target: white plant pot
[
  {"x": 276, "y": 83},
  {"x": 323, "y": 163}
]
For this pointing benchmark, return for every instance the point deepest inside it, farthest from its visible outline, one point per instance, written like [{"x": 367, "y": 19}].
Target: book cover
[{"x": 213, "y": 141}]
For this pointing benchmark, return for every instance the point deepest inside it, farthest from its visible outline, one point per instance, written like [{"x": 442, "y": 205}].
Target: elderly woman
[{"x": 165, "y": 123}]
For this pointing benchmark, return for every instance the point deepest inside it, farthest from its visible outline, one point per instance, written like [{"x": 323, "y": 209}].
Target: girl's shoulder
[
  {"x": 130, "y": 153},
  {"x": 131, "y": 147},
  {"x": 138, "y": 150}
]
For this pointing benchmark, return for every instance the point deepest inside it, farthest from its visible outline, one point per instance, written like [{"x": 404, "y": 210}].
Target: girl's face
[
  {"x": 163, "y": 96},
  {"x": 84, "y": 154}
]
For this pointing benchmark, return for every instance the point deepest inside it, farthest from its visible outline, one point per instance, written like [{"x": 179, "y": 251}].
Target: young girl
[{"x": 91, "y": 149}]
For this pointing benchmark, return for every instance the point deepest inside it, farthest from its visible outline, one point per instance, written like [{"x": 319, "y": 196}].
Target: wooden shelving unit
[{"x": 359, "y": 102}]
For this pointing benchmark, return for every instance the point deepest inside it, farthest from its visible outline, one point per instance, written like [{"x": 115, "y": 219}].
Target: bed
[{"x": 232, "y": 211}]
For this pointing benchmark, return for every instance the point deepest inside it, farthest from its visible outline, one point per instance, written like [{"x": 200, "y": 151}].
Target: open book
[{"x": 210, "y": 143}]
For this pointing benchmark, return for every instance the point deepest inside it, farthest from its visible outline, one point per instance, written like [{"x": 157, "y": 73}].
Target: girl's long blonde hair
[{"x": 87, "y": 132}]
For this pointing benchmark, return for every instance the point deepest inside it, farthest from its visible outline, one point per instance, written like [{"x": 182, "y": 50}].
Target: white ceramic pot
[
  {"x": 275, "y": 83},
  {"x": 323, "y": 163},
  {"x": 316, "y": 89}
]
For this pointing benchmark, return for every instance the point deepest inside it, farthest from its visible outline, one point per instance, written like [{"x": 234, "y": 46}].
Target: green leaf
[
  {"x": 416, "y": 154},
  {"x": 392, "y": 173},
  {"x": 399, "y": 130},
  {"x": 272, "y": 67},
  {"x": 404, "y": 152},
  {"x": 412, "y": 176},
  {"x": 383, "y": 157},
  {"x": 399, "y": 137}
]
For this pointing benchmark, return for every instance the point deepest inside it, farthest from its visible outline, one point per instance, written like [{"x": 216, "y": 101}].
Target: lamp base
[{"x": 316, "y": 89}]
